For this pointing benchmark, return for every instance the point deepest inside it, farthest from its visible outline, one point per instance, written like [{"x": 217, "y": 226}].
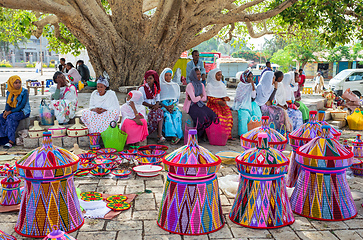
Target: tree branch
[
  {"x": 230, "y": 36},
  {"x": 45, "y": 6},
  {"x": 50, "y": 19},
  {"x": 204, "y": 36}
]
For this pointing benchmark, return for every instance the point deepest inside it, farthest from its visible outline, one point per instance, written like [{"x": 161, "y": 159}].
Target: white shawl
[
  {"x": 264, "y": 88},
  {"x": 284, "y": 91},
  {"x": 108, "y": 101},
  {"x": 215, "y": 88},
  {"x": 126, "y": 110},
  {"x": 243, "y": 96},
  {"x": 168, "y": 90}
]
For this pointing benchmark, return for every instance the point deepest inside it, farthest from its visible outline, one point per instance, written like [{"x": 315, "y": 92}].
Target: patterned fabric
[
  {"x": 295, "y": 117},
  {"x": 278, "y": 117},
  {"x": 9, "y": 125},
  {"x": 172, "y": 121},
  {"x": 191, "y": 207},
  {"x": 10, "y": 189},
  {"x": 66, "y": 107},
  {"x": 202, "y": 117},
  {"x": 224, "y": 114},
  {"x": 99, "y": 122},
  {"x": 154, "y": 117}
]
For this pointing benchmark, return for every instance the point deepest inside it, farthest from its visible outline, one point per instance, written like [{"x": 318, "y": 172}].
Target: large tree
[{"x": 127, "y": 37}]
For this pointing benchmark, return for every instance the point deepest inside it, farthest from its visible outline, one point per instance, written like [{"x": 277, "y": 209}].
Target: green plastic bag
[{"x": 113, "y": 137}]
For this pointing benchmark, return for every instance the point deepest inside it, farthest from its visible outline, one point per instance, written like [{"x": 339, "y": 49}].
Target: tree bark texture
[{"x": 125, "y": 42}]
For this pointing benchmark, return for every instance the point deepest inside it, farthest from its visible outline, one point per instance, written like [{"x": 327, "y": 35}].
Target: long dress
[
  {"x": 135, "y": 133},
  {"x": 66, "y": 106},
  {"x": 100, "y": 122},
  {"x": 169, "y": 95},
  {"x": 303, "y": 108}
]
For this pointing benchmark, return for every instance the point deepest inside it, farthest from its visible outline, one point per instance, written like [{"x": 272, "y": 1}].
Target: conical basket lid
[
  {"x": 321, "y": 120},
  {"x": 192, "y": 155},
  {"x": 5, "y": 236},
  {"x": 57, "y": 234},
  {"x": 263, "y": 155},
  {"x": 326, "y": 147},
  {"x": 273, "y": 136},
  {"x": 11, "y": 178},
  {"x": 357, "y": 142},
  {"x": 47, "y": 157}
]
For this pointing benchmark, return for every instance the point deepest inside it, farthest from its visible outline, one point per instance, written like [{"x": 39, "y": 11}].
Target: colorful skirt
[
  {"x": 154, "y": 117},
  {"x": 135, "y": 133},
  {"x": 278, "y": 118},
  {"x": 172, "y": 121},
  {"x": 64, "y": 110},
  {"x": 223, "y": 112},
  {"x": 99, "y": 122},
  {"x": 295, "y": 117}
]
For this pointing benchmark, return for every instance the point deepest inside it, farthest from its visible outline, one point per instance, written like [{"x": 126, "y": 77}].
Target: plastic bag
[
  {"x": 355, "y": 120},
  {"x": 46, "y": 114},
  {"x": 216, "y": 134},
  {"x": 113, "y": 137},
  {"x": 229, "y": 185}
]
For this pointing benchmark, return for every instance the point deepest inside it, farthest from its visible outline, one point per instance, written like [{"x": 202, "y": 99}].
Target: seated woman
[
  {"x": 265, "y": 95},
  {"x": 244, "y": 102},
  {"x": 194, "y": 104},
  {"x": 151, "y": 93},
  {"x": 297, "y": 94},
  {"x": 103, "y": 108},
  {"x": 217, "y": 100},
  {"x": 17, "y": 108},
  {"x": 169, "y": 96},
  {"x": 64, "y": 98},
  {"x": 73, "y": 74},
  {"x": 133, "y": 118},
  {"x": 285, "y": 99}
]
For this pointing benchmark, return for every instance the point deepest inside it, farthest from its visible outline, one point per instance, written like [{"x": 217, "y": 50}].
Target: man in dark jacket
[
  {"x": 83, "y": 70},
  {"x": 62, "y": 66}
]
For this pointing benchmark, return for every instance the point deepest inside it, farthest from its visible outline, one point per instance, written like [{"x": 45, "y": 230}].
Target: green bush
[
  {"x": 51, "y": 65},
  {"x": 5, "y": 64},
  {"x": 29, "y": 65},
  {"x": 45, "y": 65}
]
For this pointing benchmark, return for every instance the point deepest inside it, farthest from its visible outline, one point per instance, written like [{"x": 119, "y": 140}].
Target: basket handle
[{"x": 254, "y": 117}]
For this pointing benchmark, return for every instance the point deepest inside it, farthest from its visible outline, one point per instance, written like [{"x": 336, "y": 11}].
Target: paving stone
[
  {"x": 224, "y": 232},
  {"x": 116, "y": 225},
  {"x": 31, "y": 143},
  {"x": 151, "y": 228},
  {"x": 57, "y": 142},
  {"x": 163, "y": 237},
  {"x": 87, "y": 187},
  {"x": 134, "y": 235},
  {"x": 357, "y": 195},
  {"x": 158, "y": 177},
  {"x": 111, "y": 189},
  {"x": 107, "y": 181},
  {"x": 19, "y": 237},
  {"x": 91, "y": 225},
  {"x": 74, "y": 234},
  {"x": 243, "y": 232},
  {"x": 347, "y": 235},
  {"x": 129, "y": 182},
  {"x": 316, "y": 235},
  {"x": 154, "y": 184},
  {"x": 144, "y": 204},
  {"x": 145, "y": 215},
  {"x": 7, "y": 227},
  {"x": 78, "y": 181},
  {"x": 145, "y": 196},
  {"x": 8, "y": 218},
  {"x": 326, "y": 225},
  {"x": 224, "y": 200},
  {"x": 200, "y": 237},
  {"x": 354, "y": 223},
  {"x": 83, "y": 142},
  {"x": 134, "y": 189},
  {"x": 125, "y": 215},
  {"x": 96, "y": 235},
  {"x": 301, "y": 224},
  {"x": 283, "y": 233},
  {"x": 68, "y": 142},
  {"x": 156, "y": 190}
]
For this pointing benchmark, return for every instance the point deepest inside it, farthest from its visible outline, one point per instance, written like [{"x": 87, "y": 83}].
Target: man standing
[
  {"x": 62, "y": 66},
  {"x": 319, "y": 83},
  {"x": 302, "y": 79},
  {"x": 195, "y": 63},
  {"x": 268, "y": 68},
  {"x": 83, "y": 70}
]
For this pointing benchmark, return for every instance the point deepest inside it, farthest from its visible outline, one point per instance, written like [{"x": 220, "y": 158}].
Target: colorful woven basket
[
  {"x": 191, "y": 203},
  {"x": 5, "y": 236},
  {"x": 262, "y": 200},
  {"x": 94, "y": 139},
  {"x": 10, "y": 189},
  {"x": 151, "y": 154},
  {"x": 357, "y": 167},
  {"x": 275, "y": 139},
  {"x": 346, "y": 145},
  {"x": 49, "y": 196},
  {"x": 322, "y": 191},
  {"x": 357, "y": 147},
  {"x": 58, "y": 235},
  {"x": 87, "y": 157},
  {"x": 108, "y": 156},
  {"x": 321, "y": 120},
  {"x": 106, "y": 150}
]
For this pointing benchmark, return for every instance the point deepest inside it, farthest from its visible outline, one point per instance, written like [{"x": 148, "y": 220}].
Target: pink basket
[{"x": 217, "y": 135}]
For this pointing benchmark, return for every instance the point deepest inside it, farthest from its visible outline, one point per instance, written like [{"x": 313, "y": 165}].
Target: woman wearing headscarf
[
  {"x": 103, "y": 108},
  {"x": 151, "y": 93},
  {"x": 194, "y": 104},
  {"x": 17, "y": 108},
  {"x": 64, "y": 98},
  {"x": 217, "y": 100},
  {"x": 285, "y": 99},
  {"x": 169, "y": 97},
  {"x": 266, "y": 91},
  {"x": 297, "y": 94},
  {"x": 72, "y": 74},
  {"x": 133, "y": 114},
  {"x": 244, "y": 102}
]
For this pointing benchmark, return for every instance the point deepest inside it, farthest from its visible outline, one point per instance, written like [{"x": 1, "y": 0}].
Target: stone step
[{"x": 338, "y": 124}]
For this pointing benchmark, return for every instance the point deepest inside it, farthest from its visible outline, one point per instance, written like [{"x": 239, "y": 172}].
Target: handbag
[
  {"x": 253, "y": 123},
  {"x": 45, "y": 114},
  {"x": 113, "y": 137}
]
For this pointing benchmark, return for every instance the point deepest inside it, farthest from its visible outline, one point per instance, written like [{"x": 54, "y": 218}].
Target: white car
[{"x": 349, "y": 78}]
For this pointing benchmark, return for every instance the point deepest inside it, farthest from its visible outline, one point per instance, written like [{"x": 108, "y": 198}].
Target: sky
[{"x": 257, "y": 43}]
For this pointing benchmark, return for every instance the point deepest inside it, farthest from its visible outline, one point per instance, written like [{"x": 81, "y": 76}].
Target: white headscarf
[
  {"x": 126, "y": 110},
  {"x": 242, "y": 99},
  {"x": 107, "y": 101},
  {"x": 284, "y": 91},
  {"x": 215, "y": 88},
  {"x": 264, "y": 88},
  {"x": 168, "y": 90}
]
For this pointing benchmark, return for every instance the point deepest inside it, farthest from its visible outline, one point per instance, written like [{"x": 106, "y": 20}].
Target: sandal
[
  {"x": 8, "y": 145},
  {"x": 161, "y": 139},
  {"x": 175, "y": 141}
]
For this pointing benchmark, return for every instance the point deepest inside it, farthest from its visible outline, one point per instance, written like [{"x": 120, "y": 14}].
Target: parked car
[{"x": 349, "y": 78}]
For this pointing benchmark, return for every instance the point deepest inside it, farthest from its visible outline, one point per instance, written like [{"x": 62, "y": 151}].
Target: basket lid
[
  {"x": 5, "y": 236},
  {"x": 262, "y": 155},
  {"x": 321, "y": 120},
  {"x": 309, "y": 130},
  {"x": 57, "y": 234},
  {"x": 324, "y": 147},
  {"x": 47, "y": 157},
  {"x": 273, "y": 136},
  {"x": 357, "y": 142},
  {"x": 192, "y": 155},
  {"x": 11, "y": 178}
]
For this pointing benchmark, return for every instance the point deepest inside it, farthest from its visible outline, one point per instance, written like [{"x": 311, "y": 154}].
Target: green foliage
[
  {"x": 30, "y": 65},
  {"x": 283, "y": 58},
  {"x": 345, "y": 52},
  {"x": 51, "y": 65},
  {"x": 248, "y": 55},
  {"x": 45, "y": 65}
]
